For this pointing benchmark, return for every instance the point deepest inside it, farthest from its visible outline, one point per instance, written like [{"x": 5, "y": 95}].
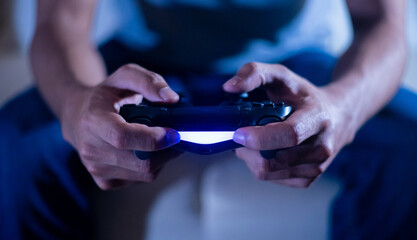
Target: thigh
[
  {"x": 43, "y": 186},
  {"x": 379, "y": 175},
  {"x": 378, "y": 170}
]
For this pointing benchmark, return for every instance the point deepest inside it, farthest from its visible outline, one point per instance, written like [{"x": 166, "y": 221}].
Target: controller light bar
[{"x": 206, "y": 137}]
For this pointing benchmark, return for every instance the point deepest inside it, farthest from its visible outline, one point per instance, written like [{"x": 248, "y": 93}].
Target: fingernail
[
  {"x": 239, "y": 137},
  {"x": 172, "y": 137},
  {"x": 167, "y": 94},
  {"x": 233, "y": 81}
]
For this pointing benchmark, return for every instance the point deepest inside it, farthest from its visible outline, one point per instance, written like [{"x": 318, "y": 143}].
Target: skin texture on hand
[
  {"x": 70, "y": 74},
  {"x": 325, "y": 119},
  {"x": 104, "y": 140},
  {"x": 309, "y": 138}
]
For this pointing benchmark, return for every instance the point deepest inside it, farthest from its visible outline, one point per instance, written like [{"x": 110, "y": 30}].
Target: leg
[
  {"x": 378, "y": 170},
  {"x": 379, "y": 174},
  {"x": 43, "y": 185}
]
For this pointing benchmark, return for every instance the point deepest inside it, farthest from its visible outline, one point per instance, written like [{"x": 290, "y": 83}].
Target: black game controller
[{"x": 206, "y": 129}]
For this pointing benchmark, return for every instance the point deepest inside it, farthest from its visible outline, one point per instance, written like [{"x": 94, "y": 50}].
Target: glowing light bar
[{"x": 206, "y": 137}]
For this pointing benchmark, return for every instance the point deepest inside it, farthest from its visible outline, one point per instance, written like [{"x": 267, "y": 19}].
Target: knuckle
[
  {"x": 302, "y": 185},
  {"x": 94, "y": 169},
  {"x": 261, "y": 174},
  {"x": 148, "y": 178},
  {"x": 127, "y": 68},
  {"x": 146, "y": 167},
  {"x": 314, "y": 172},
  {"x": 294, "y": 135},
  {"x": 86, "y": 152},
  {"x": 324, "y": 151},
  {"x": 251, "y": 67},
  {"x": 154, "y": 78},
  {"x": 118, "y": 137},
  {"x": 104, "y": 184},
  {"x": 282, "y": 69},
  {"x": 305, "y": 183},
  {"x": 266, "y": 165}
]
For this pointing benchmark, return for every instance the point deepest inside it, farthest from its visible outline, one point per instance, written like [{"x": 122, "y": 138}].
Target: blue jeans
[{"x": 45, "y": 192}]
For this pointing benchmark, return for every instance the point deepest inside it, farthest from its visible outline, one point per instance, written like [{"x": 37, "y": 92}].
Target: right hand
[{"x": 105, "y": 141}]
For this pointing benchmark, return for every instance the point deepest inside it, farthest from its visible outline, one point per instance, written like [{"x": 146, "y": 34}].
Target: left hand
[{"x": 309, "y": 138}]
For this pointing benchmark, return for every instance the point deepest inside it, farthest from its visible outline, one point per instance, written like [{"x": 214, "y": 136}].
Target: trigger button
[
  {"x": 269, "y": 104},
  {"x": 267, "y": 120},
  {"x": 144, "y": 121},
  {"x": 258, "y": 104}
]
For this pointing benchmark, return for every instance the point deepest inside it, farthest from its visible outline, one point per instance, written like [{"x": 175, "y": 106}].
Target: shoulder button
[
  {"x": 258, "y": 104},
  {"x": 267, "y": 120},
  {"x": 269, "y": 104}
]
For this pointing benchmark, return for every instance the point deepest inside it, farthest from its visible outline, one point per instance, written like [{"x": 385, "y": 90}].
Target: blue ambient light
[{"x": 206, "y": 137}]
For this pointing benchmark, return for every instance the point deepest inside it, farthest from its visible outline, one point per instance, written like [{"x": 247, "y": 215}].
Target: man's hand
[
  {"x": 105, "y": 141},
  {"x": 311, "y": 136}
]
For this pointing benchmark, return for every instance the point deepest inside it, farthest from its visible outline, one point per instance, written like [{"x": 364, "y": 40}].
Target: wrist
[
  {"x": 73, "y": 102},
  {"x": 345, "y": 114}
]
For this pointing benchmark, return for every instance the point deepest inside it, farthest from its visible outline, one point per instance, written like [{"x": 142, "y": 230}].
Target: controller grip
[
  {"x": 143, "y": 155},
  {"x": 269, "y": 154}
]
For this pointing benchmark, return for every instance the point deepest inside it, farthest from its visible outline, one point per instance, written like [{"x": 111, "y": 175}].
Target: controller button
[
  {"x": 258, "y": 104},
  {"x": 266, "y": 120},
  {"x": 244, "y": 95},
  {"x": 244, "y": 108},
  {"x": 269, "y": 104}
]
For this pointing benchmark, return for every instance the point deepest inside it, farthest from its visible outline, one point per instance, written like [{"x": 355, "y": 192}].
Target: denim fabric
[
  {"x": 378, "y": 170},
  {"x": 43, "y": 186}
]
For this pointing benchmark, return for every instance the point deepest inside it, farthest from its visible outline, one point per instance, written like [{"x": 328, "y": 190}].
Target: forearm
[
  {"x": 370, "y": 72},
  {"x": 63, "y": 60}
]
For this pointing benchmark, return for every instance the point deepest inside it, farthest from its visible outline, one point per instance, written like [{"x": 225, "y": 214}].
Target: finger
[
  {"x": 303, "y": 154},
  {"x": 254, "y": 161},
  {"x": 151, "y": 85},
  {"x": 126, "y": 159},
  {"x": 113, "y": 129},
  {"x": 295, "y": 182},
  {"x": 291, "y": 157},
  {"x": 298, "y": 127},
  {"x": 253, "y": 75},
  {"x": 262, "y": 169},
  {"x": 163, "y": 156},
  {"x": 300, "y": 171},
  {"x": 105, "y": 172},
  {"x": 302, "y": 161},
  {"x": 112, "y": 184}
]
